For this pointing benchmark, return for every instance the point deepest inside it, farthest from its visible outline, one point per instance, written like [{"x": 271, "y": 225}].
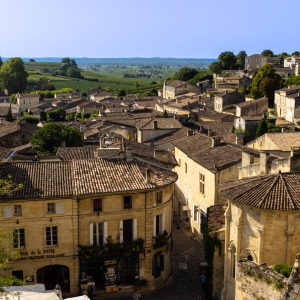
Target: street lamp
[{"x": 57, "y": 290}]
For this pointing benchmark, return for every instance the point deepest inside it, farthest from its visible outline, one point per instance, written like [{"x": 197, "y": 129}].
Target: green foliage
[
  {"x": 9, "y": 116},
  {"x": 262, "y": 128},
  {"x": 267, "y": 53},
  {"x": 265, "y": 82},
  {"x": 31, "y": 60},
  {"x": 227, "y": 60},
  {"x": 185, "y": 74},
  {"x": 57, "y": 114},
  {"x": 13, "y": 76},
  {"x": 70, "y": 117},
  {"x": 215, "y": 67},
  {"x": 293, "y": 80},
  {"x": 7, "y": 254},
  {"x": 210, "y": 244},
  {"x": 283, "y": 269},
  {"x": 7, "y": 186},
  {"x": 69, "y": 68},
  {"x": 30, "y": 119},
  {"x": 202, "y": 75},
  {"x": 122, "y": 93},
  {"x": 240, "y": 59},
  {"x": 43, "y": 116},
  {"x": 277, "y": 284},
  {"x": 47, "y": 139}
]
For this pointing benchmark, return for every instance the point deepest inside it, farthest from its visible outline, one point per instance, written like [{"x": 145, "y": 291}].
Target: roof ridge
[
  {"x": 268, "y": 190},
  {"x": 288, "y": 191}
]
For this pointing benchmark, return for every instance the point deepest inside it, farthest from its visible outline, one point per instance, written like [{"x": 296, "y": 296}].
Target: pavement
[{"x": 185, "y": 284}]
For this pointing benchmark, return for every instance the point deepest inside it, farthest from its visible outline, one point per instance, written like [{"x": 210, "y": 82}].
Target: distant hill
[{"x": 165, "y": 61}]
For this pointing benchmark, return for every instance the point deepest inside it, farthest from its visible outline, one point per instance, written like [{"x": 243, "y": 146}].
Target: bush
[{"x": 283, "y": 269}]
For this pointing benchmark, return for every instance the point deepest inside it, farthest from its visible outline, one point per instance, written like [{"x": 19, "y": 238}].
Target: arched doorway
[{"x": 52, "y": 275}]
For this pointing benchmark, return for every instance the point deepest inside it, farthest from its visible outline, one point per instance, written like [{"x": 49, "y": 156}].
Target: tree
[
  {"x": 227, "y": 60},
  {"x": 267, "y": 53},
  {"x": 9, "y": 116},
  {"x": 262, "y": 128},
  {"x": 122, "y": 93},
  {"x": 47, "y": 139},
  {"x": 43, "y": 116},
  {"x": 296, "y": 53},
  {"x": 31, "y": 60},
  {"x": 293, "y": 80},
  {"x": 30, "y": 119},
  {"x": 185, "y": 74},
  {"x": 215, "y": 67},
  {"x": 240, "y": 59},
  {"x": 57, "y": 114},
  {"x": 13, "y": 76},
  {"x": 265, "y": 82}
]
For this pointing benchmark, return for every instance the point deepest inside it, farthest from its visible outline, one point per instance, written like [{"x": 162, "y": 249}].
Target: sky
[{"x": 147, "y": 28}]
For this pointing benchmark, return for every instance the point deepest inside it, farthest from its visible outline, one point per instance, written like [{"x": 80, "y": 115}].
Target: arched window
[{"x": 232, "y": 260}]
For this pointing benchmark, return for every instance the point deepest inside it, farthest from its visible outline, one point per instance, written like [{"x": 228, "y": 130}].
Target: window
[
  {"x": 232, "y": 258},
  {"x": 201, "y": 183},
  {"x": 203, "y": 219},
  {"x": 195, "y": 213},
  {"x": 97, "y": 205},
  {"x": 158, "y": 224},
  {"x": 55, "y": 208},
  {"x": 157, "y": 264},
  {"x": 179, "y": 162},
  {"x": 127, "y": 202},
  {"x": 159, "y": 197},
  {"x": 185, "y": 167},
  {"x": 97, "y": 234},
  {"x": 18, "y": 274},
  {"x": 19, "y": 238},
  {"x": 17, "y": 210},
  {"x": 51, "y": 208},
  {"x": 128, "y": 230},
  {"x": 51, "y": 236}
]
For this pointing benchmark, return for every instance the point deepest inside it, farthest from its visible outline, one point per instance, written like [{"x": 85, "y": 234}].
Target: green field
[{"x": 108, "y": 77}]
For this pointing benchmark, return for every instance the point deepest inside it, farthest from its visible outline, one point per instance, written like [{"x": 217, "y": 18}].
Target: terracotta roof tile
[{"x": 274, "y": 192}]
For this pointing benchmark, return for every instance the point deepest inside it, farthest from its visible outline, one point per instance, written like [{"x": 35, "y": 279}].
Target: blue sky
[{"x": 147, "y": 28}]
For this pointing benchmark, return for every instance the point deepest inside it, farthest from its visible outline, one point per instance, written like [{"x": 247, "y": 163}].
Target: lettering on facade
[{"x": 39, "y": 254}]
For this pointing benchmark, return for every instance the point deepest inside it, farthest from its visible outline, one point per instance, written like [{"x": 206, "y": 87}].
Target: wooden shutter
[
  {"x": 134, "y": 223},
  {"x": 60, "y": 207},
  {"x": 7, "y": 211},
  {"x": 121, "y": 231},
  {"x": 104, "y": 233},
  {"x": 91, "y": 233}
]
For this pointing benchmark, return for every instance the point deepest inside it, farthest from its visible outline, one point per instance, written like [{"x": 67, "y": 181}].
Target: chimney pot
[{"x": 154, "y": 124}]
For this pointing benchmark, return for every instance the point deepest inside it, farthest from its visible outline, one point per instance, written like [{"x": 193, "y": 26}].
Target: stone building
[
  {"x": 261, "y": 224},
  {"x": 203, "y": 162},
  {"x": 109, "y": 219},
  {"x": 27, "y": 101},
  {"x": 256, "y": 61},
  {"x": 227, "y": 99}
]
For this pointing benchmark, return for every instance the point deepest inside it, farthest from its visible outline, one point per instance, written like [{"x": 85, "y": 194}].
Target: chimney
[
  {"x": 247, "y": 159},
  {"x": 209, "y": 133},
  {"x": 263, "y": 163},
  {"x": 148, "y": 175},
  {"x": 190, "y": 132},
  {"x": 154, "y": 124},
  {"x": 215, "y": 141},
  {"x": 63, "y": 144},
  {"x": 129, "y": 154},
  {"x": 201, "y": 128},
  {"x": 239, "y": 139}
]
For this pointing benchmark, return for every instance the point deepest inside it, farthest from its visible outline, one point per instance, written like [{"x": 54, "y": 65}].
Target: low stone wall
[{"x": 258, "y": 282}]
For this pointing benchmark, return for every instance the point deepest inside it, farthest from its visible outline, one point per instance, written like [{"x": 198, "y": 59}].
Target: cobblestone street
[{"x": 186, "y": 284}]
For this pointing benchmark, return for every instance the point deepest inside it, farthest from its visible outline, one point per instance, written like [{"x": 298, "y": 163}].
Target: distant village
[{"x": 226, "y": 164}]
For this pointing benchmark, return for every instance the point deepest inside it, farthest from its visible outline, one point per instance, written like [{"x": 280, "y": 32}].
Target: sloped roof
[
  {"x": 275, "y": 192},
  {"x": 284, "y": 141},
  {"x": 198, "y": 147},
  {"x": 83, "y": 177},
  {"x": 162, "y": 123}
]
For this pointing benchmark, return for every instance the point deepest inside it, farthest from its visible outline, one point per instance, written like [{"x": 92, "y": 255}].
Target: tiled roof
[
  {"x": 176, "y": 83},
  {"x": 4, "y": 153},
  {"x": 213, "y": 115},
  {"x": 162, "y": 123},
  {"x": 198, "y": 147},
  {"x": 83, "y": 177},
  {"x": 215, "y": 217},
  {"x": 16, "y": 126},
  {"x": 284, "y": 141},
  {"x": 40, "y": 180},
  {"x": 70, "y": 153},
  {"x": 274, "y": 192}
]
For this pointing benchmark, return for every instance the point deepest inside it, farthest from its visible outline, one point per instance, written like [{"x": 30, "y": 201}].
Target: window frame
[
  {"x": 201, "y": 183},
  {"x": 129, "y": 204},
  {"x": 51, "y": 236},
  {"x": 97, "y": 234},
  {"x": 17, "y": 210},
  {"x": 19, "y": 241},
  {"x": 98, "y": 205},
  {"x": 159, "y": 197},
  {"x": 51, "y": 208}
]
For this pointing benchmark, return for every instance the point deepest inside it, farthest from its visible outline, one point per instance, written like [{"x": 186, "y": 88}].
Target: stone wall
[{"x": 258, "y": 282}]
